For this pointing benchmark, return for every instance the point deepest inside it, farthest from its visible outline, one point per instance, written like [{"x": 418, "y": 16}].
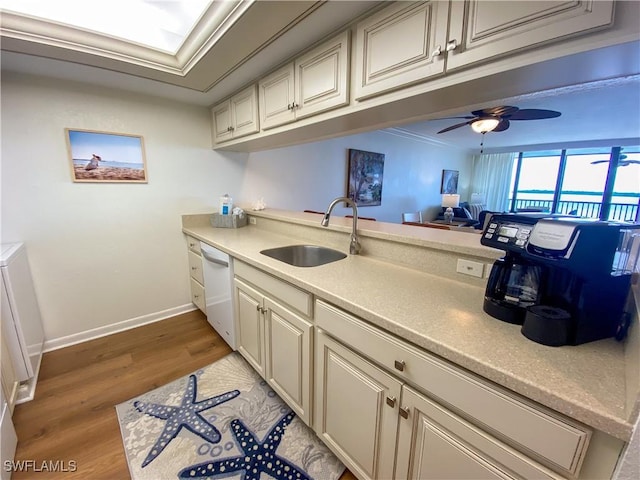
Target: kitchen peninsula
[{"x": 405, "y": 287}]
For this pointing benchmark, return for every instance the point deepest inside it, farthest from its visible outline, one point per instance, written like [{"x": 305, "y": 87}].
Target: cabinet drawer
[
  {"x": 299, "y": 299},
  {"x": 193, "y": 244},
  {"x": 195, "y": 267},
  {"x": 533, "y": 429},
  {"x": 197, "y": 296}
]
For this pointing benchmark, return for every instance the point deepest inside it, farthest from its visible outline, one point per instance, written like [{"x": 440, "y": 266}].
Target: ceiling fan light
[{"x": 484, "y": 125}]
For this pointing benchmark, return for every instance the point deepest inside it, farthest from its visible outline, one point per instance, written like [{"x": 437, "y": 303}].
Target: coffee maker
[{"x": 564, "y": 279}]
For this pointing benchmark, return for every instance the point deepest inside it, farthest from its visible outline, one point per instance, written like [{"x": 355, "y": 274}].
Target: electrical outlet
[
  {"x": 252, "y": 220},
  {"x": 475, "y": 269}
]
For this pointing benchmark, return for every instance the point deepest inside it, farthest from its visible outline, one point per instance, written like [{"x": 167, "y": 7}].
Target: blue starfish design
[
  {"x": 187, "y": 415},
  {"x": 256, "y": 457}
]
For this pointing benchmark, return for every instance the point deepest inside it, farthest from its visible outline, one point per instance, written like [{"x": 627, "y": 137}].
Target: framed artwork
[
  {"x": 449, "y": 181},
  {"x": 364, "y": 182},
  {"x": 106, "y": 157}
]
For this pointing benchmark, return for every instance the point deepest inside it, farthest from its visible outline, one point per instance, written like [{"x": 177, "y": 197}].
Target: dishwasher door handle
[{"x": 214, "y": 260}]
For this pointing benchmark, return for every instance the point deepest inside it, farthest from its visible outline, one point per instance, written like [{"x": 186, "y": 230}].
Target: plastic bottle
[{"x": 226, "y": 204}]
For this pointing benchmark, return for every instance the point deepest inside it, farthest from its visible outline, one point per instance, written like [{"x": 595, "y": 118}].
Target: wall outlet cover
[{"x": 467, "y": 267}]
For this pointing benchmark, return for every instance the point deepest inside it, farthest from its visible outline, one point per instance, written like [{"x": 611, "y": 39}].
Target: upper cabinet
[
  {"x": 314, "y": 82},
  {"x": 481, "y": 30},
  {"x": 236, "y": 116},
  {"x": 408, "y": 43},
  {"x": 400, "y": 45}
]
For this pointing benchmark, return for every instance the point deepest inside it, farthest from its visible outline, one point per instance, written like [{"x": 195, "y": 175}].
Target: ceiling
[{"x": 235, "y": 42}]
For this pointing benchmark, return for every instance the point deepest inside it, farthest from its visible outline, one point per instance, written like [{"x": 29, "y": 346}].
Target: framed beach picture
[
  {"x": 106, "y": 157},
  {"x": 449, "y": 181},
  {"x": 364, "y": 182}
]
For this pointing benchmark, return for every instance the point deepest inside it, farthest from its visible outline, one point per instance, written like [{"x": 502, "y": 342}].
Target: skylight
[{"x": 159, "y": 24}]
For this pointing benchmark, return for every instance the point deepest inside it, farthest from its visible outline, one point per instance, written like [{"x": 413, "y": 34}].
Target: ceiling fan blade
[
  {"x": 453, "y": 127},
  {"x": 468, "y": 117},
  {"x": 625, "y": 163},
  {"x": 495, "y": 111},
  {"x": 502, "y": 126},
  {"x": 599, "y": 161},
  {"x": 533, "y": 114}
]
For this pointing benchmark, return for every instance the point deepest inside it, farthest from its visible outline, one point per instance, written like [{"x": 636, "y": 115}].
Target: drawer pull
[
  {"x": 194, "y": 268},
  {"x": 404, "y": 412},
  {"x": 399, "y": 364},
  {"x": 196, "y": 296},
  {"x": 391, "y": 401}
]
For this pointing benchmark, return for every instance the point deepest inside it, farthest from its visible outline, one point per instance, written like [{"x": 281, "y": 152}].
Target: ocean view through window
[{"x": 598, "y": 183}]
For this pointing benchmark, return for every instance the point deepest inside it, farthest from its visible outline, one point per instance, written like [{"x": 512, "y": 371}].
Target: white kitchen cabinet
[
  {"x": 236, "y": 116},
  {"x": 275, "y": 335},
  {"x": 356, "y": 409},
  {"x": 314, "y": 82},
  {"x": 436, "y": 444},
  {"x": 195, "y": 271},
  {"x": 409, "y": 43},
  {"x": 492, "y": 430},
  {"x": 481, "y": 30},
  {"x": 400, "y": 45}
]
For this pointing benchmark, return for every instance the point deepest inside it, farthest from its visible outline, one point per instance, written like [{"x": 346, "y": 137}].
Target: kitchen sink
[{"x": 304, "y": 255}]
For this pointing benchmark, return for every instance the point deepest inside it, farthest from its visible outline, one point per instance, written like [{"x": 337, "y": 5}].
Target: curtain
[{"x": 491, "y": 177}]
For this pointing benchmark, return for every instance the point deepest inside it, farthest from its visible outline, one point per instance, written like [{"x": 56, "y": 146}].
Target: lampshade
[
  {"x": 450, "y": 200},
  {"x": 484, "y": 125}
]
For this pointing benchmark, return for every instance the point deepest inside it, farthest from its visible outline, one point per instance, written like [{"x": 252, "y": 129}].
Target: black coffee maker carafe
[{"x": 514, "y": 284}]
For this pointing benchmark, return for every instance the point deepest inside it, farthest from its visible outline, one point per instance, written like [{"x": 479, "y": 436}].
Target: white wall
[
  {"x": 103, "y": 254},
  {"x": 310, "y": 176}
]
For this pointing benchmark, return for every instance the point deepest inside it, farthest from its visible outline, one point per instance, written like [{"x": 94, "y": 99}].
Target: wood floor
[{"x": 73, "y": 416}]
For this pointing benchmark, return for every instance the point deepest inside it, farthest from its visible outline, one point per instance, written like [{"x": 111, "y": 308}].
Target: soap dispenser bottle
[{"x": 226, "y": 204}]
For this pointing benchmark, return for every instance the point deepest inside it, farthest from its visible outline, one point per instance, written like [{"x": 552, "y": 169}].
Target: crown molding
[{"x": 403, "y": 133}]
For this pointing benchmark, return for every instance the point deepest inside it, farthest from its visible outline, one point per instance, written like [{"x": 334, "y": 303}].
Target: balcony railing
[{"x": 625, "y": 212}]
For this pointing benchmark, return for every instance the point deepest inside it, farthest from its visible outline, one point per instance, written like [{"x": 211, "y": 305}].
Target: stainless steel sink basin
[{"x": 304, "y": 255}]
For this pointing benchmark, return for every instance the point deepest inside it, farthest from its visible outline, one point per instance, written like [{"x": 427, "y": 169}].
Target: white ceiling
[{"x": 239, "y": 41}]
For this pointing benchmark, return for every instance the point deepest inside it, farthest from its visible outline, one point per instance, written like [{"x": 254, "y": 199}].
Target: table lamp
[{"x": 449, "y": 202}]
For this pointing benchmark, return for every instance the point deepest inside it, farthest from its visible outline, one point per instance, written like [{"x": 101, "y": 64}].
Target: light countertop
[{"x": 445, "y": 317}]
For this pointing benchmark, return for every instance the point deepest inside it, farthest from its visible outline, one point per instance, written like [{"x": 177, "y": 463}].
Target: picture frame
[
  {"x": 364, "y": 179},
  {"x": 449, "y": 181},
  {"x": 106, "y": 157}
]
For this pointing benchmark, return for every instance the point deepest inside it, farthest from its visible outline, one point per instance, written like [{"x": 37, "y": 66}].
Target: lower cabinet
[
  {"x": 277, "y": 342},
  {"x": 434, "y": 443},
  {"x": 356, "y": 409}
]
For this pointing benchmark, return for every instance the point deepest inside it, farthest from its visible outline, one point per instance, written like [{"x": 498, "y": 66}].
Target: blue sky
[{"x": 111, "y": 148}]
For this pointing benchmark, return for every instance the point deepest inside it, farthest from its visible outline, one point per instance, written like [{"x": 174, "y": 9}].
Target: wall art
[
  {"x": 106, "y": 157},
  {"x": 449, "y": 181},
  {"x": 364, "y": 183}
]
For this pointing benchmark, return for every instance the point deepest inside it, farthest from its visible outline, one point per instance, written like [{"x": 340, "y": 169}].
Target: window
[{"x": 592, "y": 183}]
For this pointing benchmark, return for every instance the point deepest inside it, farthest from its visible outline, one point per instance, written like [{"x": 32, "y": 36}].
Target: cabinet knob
[
  {"x": 196, "y": 296},
  {"x": 289, "y": 107},
  {"x": 437, "y": 52},
  {"x": 391, "y": 401},
  {"x": 404, "y": 412},
  {"x": 452, "y": 45},
  {"x": 194, "y": 268},
  {"x": 399, "y": 364}
]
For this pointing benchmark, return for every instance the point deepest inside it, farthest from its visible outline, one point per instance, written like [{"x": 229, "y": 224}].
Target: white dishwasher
[{"x": 217, "y": 268}]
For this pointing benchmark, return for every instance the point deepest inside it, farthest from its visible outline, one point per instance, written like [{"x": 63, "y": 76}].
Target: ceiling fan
[
  {"x": 497, "y": 119},
  {"x": 622, "y": 162}
]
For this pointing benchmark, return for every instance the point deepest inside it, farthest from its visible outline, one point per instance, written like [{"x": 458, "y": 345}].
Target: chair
[{"x": 415, "y": 217}]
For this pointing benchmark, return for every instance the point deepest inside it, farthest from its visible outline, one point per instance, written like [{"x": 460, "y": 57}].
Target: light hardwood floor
[{"x": 73, "y": 416}]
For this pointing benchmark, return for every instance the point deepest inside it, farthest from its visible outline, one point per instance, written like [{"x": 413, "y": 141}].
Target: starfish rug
[{"x": 222, "y": 421}]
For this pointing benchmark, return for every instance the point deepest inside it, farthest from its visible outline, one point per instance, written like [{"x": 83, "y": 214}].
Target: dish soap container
[{"x": 226, "y": 204}]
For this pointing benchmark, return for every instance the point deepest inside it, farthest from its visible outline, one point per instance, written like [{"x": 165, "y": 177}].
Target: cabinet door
[
  {"x": 401, "y": 44},
  {"x": 276, "y": 96},
  {"x": 250, "y": 325},
  {"x": 288, "y": 357},
  {"x": 221, "y": 116},
  {"x": 434, "y": 443},
  {"x": 484, "y": 29},
  {"x": 322, "y": 77},
  {"x": 356, "y": 409},
  {"x": 244, "y": 112}
]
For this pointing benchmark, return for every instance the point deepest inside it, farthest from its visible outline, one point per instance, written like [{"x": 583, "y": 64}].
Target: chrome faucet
[{"x": 354, "y": 246}]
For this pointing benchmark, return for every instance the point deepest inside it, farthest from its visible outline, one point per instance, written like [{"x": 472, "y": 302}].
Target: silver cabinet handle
[
  {"x": 452, "y": 45},
  {"x": 391, "y": 401},
  {"x": 404, "y": 412},
  {"x": 399, "y": 364},
  {"x": 437, "y": 52},
  {"x": 214, "y": 260}
]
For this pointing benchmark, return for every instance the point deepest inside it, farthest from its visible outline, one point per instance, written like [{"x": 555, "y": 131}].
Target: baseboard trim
[{"x": 57, "y": 343}]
